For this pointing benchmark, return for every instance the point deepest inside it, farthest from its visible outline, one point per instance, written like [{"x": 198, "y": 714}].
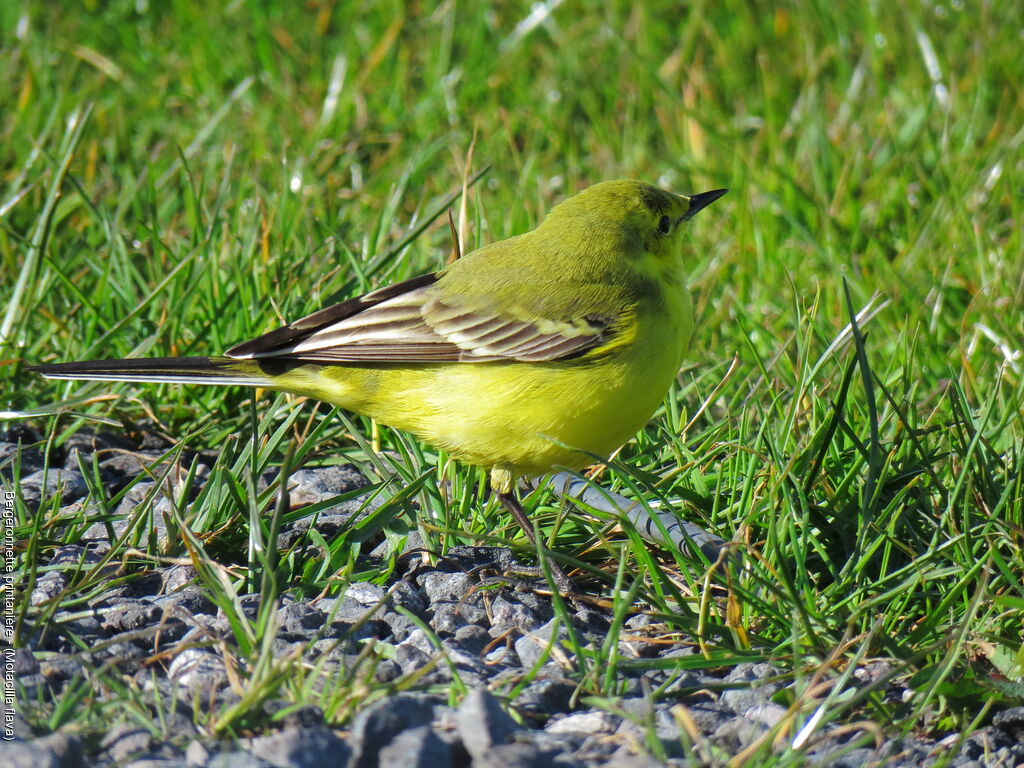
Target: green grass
[{"x": 173, "y": 181}]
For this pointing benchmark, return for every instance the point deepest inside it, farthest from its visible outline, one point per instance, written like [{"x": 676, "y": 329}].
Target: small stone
[
  {"x": 302, "y": 748},
  {"x": 196, "y": 754},
  {"x": 595, "y": 721},
  {"x": 65, "y": 747},
  {"x": 416, "y": 748},
  {"x": 22, "y": 754},
  {"x": 129, "y": 615},
  {"x": 472, "y": 637},
  {"x": 25, "y": 662},
  {"x": 366, "y": 593},
  {"x": 306, "y": 716},
  {"x": 506, "y": 615},
  {"x": 48, "y": 587},
  {"x": 1010, "y": 720},
  {"x": 769, "y": 714},
  {"x": 708, "y": 715},
  {"x": 198, "y": 669},
  {"x": 522, "y": 755},
  {"x": 409, "y": 658},
  {"x": 482, "y": 723},
  {"x": 179, "y": 577},
  {"x": 125, "y": 742},
  {"x": 439, "y": 586},
  {"x": 856, "y": 758},
  {"x": 405, "y": 595},
  {"x": 45, "y": 483},
  {"x": 237, "y": 760},
  {"x": 249, "y": 604},
  {"x": 299, "y": 620},
  {"x": 12, "y": 453},
  {"x": 446, "y": 619},
  {"x": 533, "y": 645},
  {"x": 378, "y": 725},
  {"x": 754, "y": 691},
  {"x": 191, "y": 599},
  {"x": 401, "y": 626},
  {"x": 57, "y": 750},
  {"x": 738, "y": 733},
  {"x": 13, "y": 722},
  {"x": 315, "y": 484},
  {"x": 545, "y": 698}
]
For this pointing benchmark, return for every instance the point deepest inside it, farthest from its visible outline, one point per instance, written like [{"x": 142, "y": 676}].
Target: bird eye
[{"x": 665, "y": 225}]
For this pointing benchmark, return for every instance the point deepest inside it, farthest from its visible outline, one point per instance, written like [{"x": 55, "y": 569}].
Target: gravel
[{"x": 160, "y": 633}]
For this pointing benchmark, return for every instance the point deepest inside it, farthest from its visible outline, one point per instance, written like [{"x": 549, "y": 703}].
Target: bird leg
[{"x": 511, "y": 503}]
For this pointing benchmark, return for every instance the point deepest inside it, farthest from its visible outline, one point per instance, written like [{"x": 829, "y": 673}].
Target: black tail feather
[{"x": 194, "y": 370}]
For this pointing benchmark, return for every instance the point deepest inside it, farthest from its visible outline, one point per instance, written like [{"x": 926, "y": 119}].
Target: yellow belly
[{"x": 525, "y": 417}]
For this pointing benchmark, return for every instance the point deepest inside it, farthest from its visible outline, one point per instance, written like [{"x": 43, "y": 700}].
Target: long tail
[{"x": 174, "y": 370}]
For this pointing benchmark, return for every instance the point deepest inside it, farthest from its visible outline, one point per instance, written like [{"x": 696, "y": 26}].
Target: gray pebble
[
  {"x": 48, "y": 586},
  {"x": 482, "y": 723},
  {"x": 532, "y": 645},
  {"x": 57, "y": 750},
  {"x": 472, "y": 638},
  {"x": 299, "y": 620},
  {"x": 304, "y": 717},
  {"x": 401, "y": 626},
  {"x": 45, "y": 483},
  {"x": 129, "y": 615},
  {"x": 409, "y": 597},
  {"x": 125, "y": 742},
  {"x": 29, "y": 459},
  {"x": 507, "y": 615},
  {"x": 410, "y": 658},
  {"x": 852, "y": 759},
  {"x": 416, "y": 748},
  {"x": 522, "y": 755},
  {"x": 769, "y": 713},
  {"x": 378, "y": 725},
  {"x": 594, "y": 721},
  {"x": 198, "y": 669},
  {"x": 315, "y": 484},
  {"x": 439, "y": 586},
  {"x": 196, "y": 754},
  {"x": 190, "y": 599},
  {"x": 13, "y": 719},
  {"x": 237, "y": 760},
  {"x": 179, "y": 577},
  {"x": 546, "y": 697},
  {"x": 754, "y": 691},
  {"x": 302, "y": 748},
  {"x": 737, "y": 733},
  {"x": 446, "y": 619},
  {"x": 1010, "y": 721},
  {"x": 643, "y": 714}
]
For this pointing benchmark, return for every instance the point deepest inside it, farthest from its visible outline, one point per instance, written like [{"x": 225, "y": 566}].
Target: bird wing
[{"x": 414, "y": 321}]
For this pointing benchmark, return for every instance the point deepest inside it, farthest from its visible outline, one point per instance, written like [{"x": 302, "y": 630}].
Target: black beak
[{"x": 701, "y": 201}]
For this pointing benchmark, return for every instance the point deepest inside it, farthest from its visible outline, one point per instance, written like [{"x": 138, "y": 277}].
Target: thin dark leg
[{"x": 511, "y": 503}]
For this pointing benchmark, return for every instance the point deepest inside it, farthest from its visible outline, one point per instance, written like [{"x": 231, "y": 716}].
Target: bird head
[{"x": 639, "y": 213}]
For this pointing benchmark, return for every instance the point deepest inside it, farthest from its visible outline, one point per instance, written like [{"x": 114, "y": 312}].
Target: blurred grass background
[{"x": 177, "y": 178}]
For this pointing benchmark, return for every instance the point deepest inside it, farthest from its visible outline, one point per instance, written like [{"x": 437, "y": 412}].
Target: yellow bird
[{"x": 531, "y": 353}]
